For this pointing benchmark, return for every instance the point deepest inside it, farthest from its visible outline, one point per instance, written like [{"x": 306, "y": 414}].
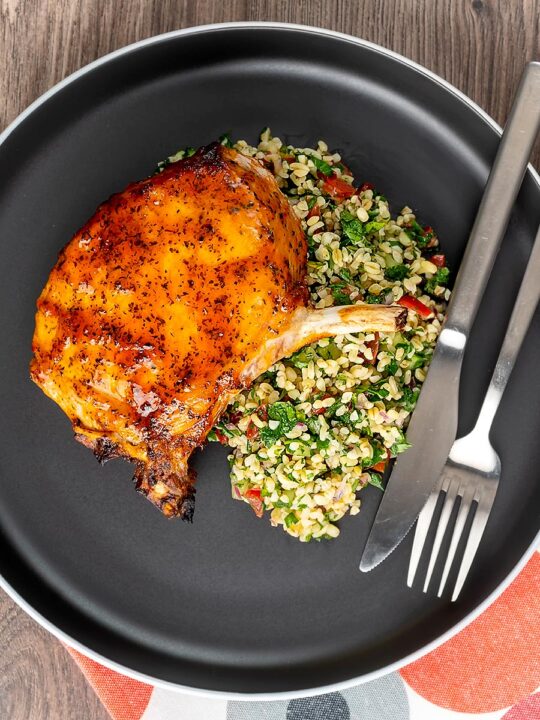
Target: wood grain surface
[{"x": 478, "y": 45}]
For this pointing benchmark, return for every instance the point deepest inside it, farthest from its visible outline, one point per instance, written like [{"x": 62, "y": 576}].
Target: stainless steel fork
[{"x": 473, "y": 468}]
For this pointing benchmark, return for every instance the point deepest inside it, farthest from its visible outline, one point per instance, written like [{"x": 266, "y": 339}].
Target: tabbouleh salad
[{"x": 319, "y": 426}]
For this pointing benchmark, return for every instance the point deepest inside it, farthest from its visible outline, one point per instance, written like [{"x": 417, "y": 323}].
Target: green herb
[
  {"x": 330, "y": 351},
  {"x": 212, "y": 436},
  {"x": 392, "y": 367},
  {"x": 291, "y": 519},
  {"x": 303, "y": 357},
  {"x": 379, "y": 453},
  {"x": 353, "y": 229},
  {"x": 285, "y": 415},
  {"x": 409, "y": 398},
  {"x": 322, "y": 166},
  {"x": 372, "y": 299},
  {"x": 400, "y": 446},
  {"x": 330, "y": 412},
  {"x": 417, "y": 360},
  {"x": 440, "y": 278},
  {"x": 281, "y": 504},
  {"x": 322, "y": 444},
  {"x": 180, "y": 155},
  {"x": 396, "y": 272},
  {"x": 314, "y": 426},
  {"x": 407, "y": 347},
  {"x": 225, "y": 139},
  {"x": 374, "y": 226},
  {"x": 345, "y": 274},
  {"x": 228, "y": 432},
  {"x": 375, "y": 480},
  {"x": 311, "y": 202},
  {"x": 341, "y": 297},
  {"x": 416, "y": 232},
  {"x": 375, "y": 393}
]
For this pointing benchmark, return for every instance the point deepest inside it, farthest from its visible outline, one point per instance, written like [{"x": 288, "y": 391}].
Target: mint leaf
[
  {"x": 353, "y": 229},
  {"x": 322, "y": 166},
  {"x": 375, "y": 480},
  {"x": 374, "y": 226}
]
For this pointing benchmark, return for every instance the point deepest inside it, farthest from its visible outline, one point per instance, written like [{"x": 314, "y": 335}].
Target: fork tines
[{"x": 453, "y": 484}]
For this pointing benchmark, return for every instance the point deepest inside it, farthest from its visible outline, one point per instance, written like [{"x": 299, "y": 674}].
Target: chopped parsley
[
  {"x": 440, "y": 278},
  {"x": 282, "y": 413},
  {"x": 396, "y": 272},
  {"x": 353, "y": 228},
  {"x": 341, "y": 293}
]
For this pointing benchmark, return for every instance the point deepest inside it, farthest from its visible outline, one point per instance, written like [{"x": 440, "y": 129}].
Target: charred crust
[
  {"x": 209, "y": 157},
  {"x": 105, "y": 450},
  {"x": 188, "y": 508},
  {"x": 179, "y": 501},
  {"x": 401, "y": 319}
]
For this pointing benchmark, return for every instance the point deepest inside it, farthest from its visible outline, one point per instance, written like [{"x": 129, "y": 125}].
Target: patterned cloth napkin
[{"x": 489, "y": 671}]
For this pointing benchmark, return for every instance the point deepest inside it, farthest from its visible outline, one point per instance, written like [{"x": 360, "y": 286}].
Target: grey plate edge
[{"x": 216, "y": 694}]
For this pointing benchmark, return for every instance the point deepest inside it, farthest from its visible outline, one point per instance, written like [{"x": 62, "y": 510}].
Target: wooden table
[{"x": 478, "y": 45}]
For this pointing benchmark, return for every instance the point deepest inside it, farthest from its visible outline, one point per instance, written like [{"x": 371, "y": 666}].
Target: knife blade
[{"x": 433, "y": 425}]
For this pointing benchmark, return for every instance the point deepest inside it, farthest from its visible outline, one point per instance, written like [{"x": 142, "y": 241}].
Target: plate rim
[{"x": 455, "y": 629}]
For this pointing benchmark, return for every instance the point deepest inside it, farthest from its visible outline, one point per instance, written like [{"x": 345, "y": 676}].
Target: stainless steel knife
[{"x": 433, "y": 426}]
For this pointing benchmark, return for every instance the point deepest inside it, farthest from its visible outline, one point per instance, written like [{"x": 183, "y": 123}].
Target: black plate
[{"x": 230, "y": 604}]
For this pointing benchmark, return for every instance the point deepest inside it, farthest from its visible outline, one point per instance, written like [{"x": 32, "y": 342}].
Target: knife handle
[{"x": 500, "y": 194}]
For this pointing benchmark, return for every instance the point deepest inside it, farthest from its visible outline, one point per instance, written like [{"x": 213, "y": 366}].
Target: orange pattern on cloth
[
  {"x": 492, "y": 663},
  {"x": 124, "y": 698}
]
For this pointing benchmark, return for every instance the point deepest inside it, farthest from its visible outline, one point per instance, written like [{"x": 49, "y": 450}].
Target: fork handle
[
  {"x": 494, "y": 212},
  {"x": 522, "y": 314}
]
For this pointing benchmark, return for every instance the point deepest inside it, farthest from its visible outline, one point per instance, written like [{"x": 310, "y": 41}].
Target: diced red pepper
[
  {"x": 429, "y": 234},
  {"x": 262, "y": 412},
  {"x": 366, "y": 186},
  {"x": 253, "y": 493},
  {"x": 412, "y": 303},
  {"x": 338, "y": 188},
  {"x": 221, "y": 437},
  {"x": 321, "y": 410},
  {"x": 374, "y": 346},
  {"x": 252, "y": 431},
  {"x": 314, "y": 211},
  {"x": 253, "y": 496},
  {"x": 438, "y": 260},
  {"x": 381, "y": 466}
]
